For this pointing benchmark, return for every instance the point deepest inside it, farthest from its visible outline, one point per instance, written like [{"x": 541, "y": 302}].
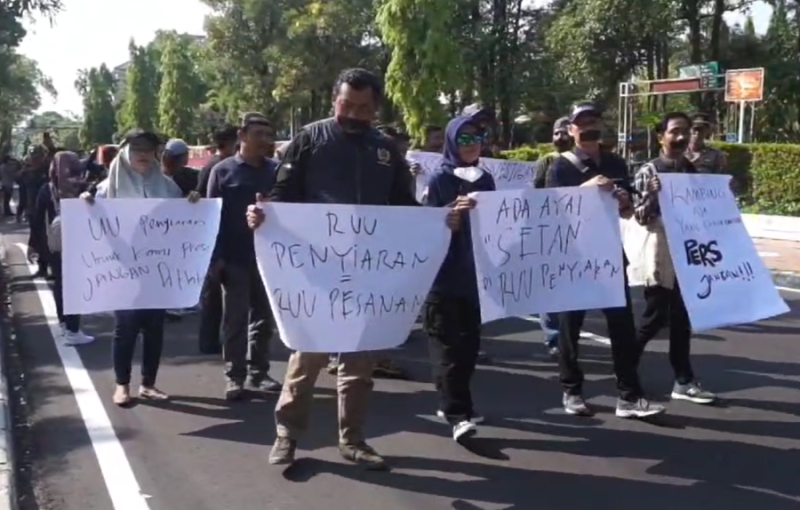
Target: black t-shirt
[{"x": 186, "y": 179}]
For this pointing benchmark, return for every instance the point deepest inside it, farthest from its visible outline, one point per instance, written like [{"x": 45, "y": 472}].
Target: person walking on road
[
  {"x": 46, "y": 230},
  {"x": 452, "y": 313},
  {"x": 246, "y": 315},
  {"x": 342, "y": 160},
  {"x": 587, "y": 165},
  {"x": 662, "y": 295},
  {"x": 136, "y": 173},
  {"x": 562, "y": 142},
  {"x": 225, "y": 140}
]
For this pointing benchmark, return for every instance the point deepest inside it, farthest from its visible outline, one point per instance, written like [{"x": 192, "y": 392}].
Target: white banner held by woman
[
  {"x": 548, "y": 250},
  {"x": 346, "y": 278},
  {"x": 134, "y": 254},
  {"x": 722, "y": 278}
]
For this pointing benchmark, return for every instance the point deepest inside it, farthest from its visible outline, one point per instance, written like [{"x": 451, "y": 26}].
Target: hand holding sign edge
[{"x": 255, "y": 214}]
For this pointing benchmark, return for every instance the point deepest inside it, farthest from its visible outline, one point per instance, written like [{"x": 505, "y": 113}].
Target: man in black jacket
[{"x": 342, "y": 160}]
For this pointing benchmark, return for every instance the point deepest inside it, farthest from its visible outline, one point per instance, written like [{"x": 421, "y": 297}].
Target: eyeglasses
[{"x": 466, "y": 139}]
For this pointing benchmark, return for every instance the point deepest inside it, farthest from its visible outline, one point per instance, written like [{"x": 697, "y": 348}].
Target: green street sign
[{"x": 708, "y": 73}]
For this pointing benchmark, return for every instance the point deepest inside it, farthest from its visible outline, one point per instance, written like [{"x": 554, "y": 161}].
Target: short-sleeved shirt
[{"x": 237, "y": 182}]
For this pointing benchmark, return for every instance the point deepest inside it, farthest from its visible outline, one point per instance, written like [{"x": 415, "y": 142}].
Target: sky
[{"x": 81, "y": 37}]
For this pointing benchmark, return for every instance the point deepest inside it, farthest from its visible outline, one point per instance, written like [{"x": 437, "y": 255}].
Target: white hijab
[{"x": 125, "y": 182}]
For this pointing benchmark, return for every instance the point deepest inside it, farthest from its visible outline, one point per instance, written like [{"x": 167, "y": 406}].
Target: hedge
[{"x": 767, "y": 175}]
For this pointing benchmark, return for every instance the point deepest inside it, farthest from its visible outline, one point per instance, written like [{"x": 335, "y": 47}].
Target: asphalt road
[{"x": 198, "y": 452}]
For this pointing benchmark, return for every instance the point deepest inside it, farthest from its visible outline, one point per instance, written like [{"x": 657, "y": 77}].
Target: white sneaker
[
  {"x": 464, "y": 430},
  {"x": 77, "y": 338}
]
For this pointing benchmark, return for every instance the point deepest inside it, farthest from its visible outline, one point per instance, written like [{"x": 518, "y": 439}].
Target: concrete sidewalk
[{"x": 783, "y": 259}]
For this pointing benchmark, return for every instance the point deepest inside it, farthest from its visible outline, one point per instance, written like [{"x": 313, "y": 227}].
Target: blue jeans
[{"x": 549, "y": 322}]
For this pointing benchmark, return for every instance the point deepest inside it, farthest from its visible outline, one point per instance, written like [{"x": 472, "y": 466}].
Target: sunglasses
[{"x": 466, "y": 139}]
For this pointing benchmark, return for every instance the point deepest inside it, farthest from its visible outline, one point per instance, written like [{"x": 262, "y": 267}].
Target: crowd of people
[{"x": 347, "y": 160}]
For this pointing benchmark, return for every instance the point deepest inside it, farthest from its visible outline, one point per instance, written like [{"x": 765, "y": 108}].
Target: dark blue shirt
[
  {"x": 456, "y": 276},
  {"x": 237, "y": 182}
]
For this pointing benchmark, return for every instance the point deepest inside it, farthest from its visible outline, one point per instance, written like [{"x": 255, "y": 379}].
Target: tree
[
  {"x": 99, "y": 116},
  {"x": 19, "y": 97},
  {"x": 425, "y": 58},
  {"x": 140, "y": 98},
  {"x": 178, "y": 98}
]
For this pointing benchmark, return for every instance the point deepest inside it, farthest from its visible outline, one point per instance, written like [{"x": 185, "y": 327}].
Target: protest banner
[
  {"x": 548, "y": 250},
  {"x": 723, "y": 280},
  {"x": 131, "y": 254},
  {"x": 345, "y": 278},
  {"x": 507, "y": 174}
]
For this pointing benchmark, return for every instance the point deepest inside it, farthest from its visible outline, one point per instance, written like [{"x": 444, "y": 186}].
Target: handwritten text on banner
[
  {"x": 507, "y": 174},
  {"x": 127, "y": 254},
  {"x": 722, "y": 278},
  {"x": 344, "y": 278},
  {"x": 547, "y": 250}
]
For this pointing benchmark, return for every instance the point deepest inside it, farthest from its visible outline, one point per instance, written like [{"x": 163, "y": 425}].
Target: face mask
[
  {"x": 353, "y": 125},
  {"x": 469, "y": 174},
  {"x": 678, "y": 145},
  {"x": 562, "y": 144},
  {"x": 591, "y": 135}
]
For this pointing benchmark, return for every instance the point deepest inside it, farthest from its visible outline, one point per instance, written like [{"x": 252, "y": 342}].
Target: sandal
[
  {"x": 152, "y": 393},
  {"x": 122, "y": 395}
]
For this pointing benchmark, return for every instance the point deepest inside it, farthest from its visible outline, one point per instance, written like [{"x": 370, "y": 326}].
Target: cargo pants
[{"x": 354, "y": 386}]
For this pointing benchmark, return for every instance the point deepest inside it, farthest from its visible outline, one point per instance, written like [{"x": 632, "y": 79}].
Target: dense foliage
[{"x": 527, "y": 59}]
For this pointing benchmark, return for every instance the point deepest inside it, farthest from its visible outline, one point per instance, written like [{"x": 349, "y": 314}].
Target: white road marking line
[
  {"x": 584, "y": 334},
  {"x": 768, "y": 254},
  {"x": 117, "y": 472},
  {"x": 788, "y": 289}
]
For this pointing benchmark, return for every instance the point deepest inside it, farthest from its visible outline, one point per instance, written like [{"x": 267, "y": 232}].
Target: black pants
[
  {"x": 210, "y": 317},
  {"x": 453, "y": 325},
  {"x": 72, "y": 323},
  {"x": 624, "y": 349},
  {"x": 22, "y": 200},
  {"x": 666, "y": 307},
  {"x": 247, "y": 323},
  {"x": 8, "y": 193},
  {"x": 129, "y": 323}
]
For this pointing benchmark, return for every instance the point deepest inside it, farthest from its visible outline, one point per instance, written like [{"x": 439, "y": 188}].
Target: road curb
[
  {"x": 786, "y": 279},
  {"x": 8, "y": 492}
]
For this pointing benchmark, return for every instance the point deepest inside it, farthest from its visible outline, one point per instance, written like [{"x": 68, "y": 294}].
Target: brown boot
[
  {"x": 122, "y": 395},
  {"x": 363, "y": 455}
]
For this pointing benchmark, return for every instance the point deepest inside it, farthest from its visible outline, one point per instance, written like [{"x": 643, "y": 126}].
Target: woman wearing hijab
[
  {"x": 136, "y": 173},
  {"x": 452, "y": 315},
  {"x": 65, "y": 182}
]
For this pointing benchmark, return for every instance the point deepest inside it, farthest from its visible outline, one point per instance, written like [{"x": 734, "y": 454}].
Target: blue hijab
[{"x": 450, "y": 157}]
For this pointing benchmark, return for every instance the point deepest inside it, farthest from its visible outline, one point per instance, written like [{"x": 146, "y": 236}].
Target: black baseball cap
[
  {"x": 700, "y": 120},
  {"x": 140, "y": 137},
  {"x": 585, "y": 109},
  {"x": 562, "y": 123},
  {"x": 254, "y": 118}
]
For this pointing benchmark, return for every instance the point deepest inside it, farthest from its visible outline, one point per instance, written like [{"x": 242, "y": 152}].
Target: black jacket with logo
[{"x": 325, "y": 165}]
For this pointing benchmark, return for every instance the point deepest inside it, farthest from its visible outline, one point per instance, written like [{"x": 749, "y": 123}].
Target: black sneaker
[
  {"x": 641, "y": 408},
  {"x": 693, "y": 392},
  {"x": 264, "y": 383},
  {"x": 283, "y": 451},
  {"x": 576, "y": 406},
  {"x": 234, "y": 390}
]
